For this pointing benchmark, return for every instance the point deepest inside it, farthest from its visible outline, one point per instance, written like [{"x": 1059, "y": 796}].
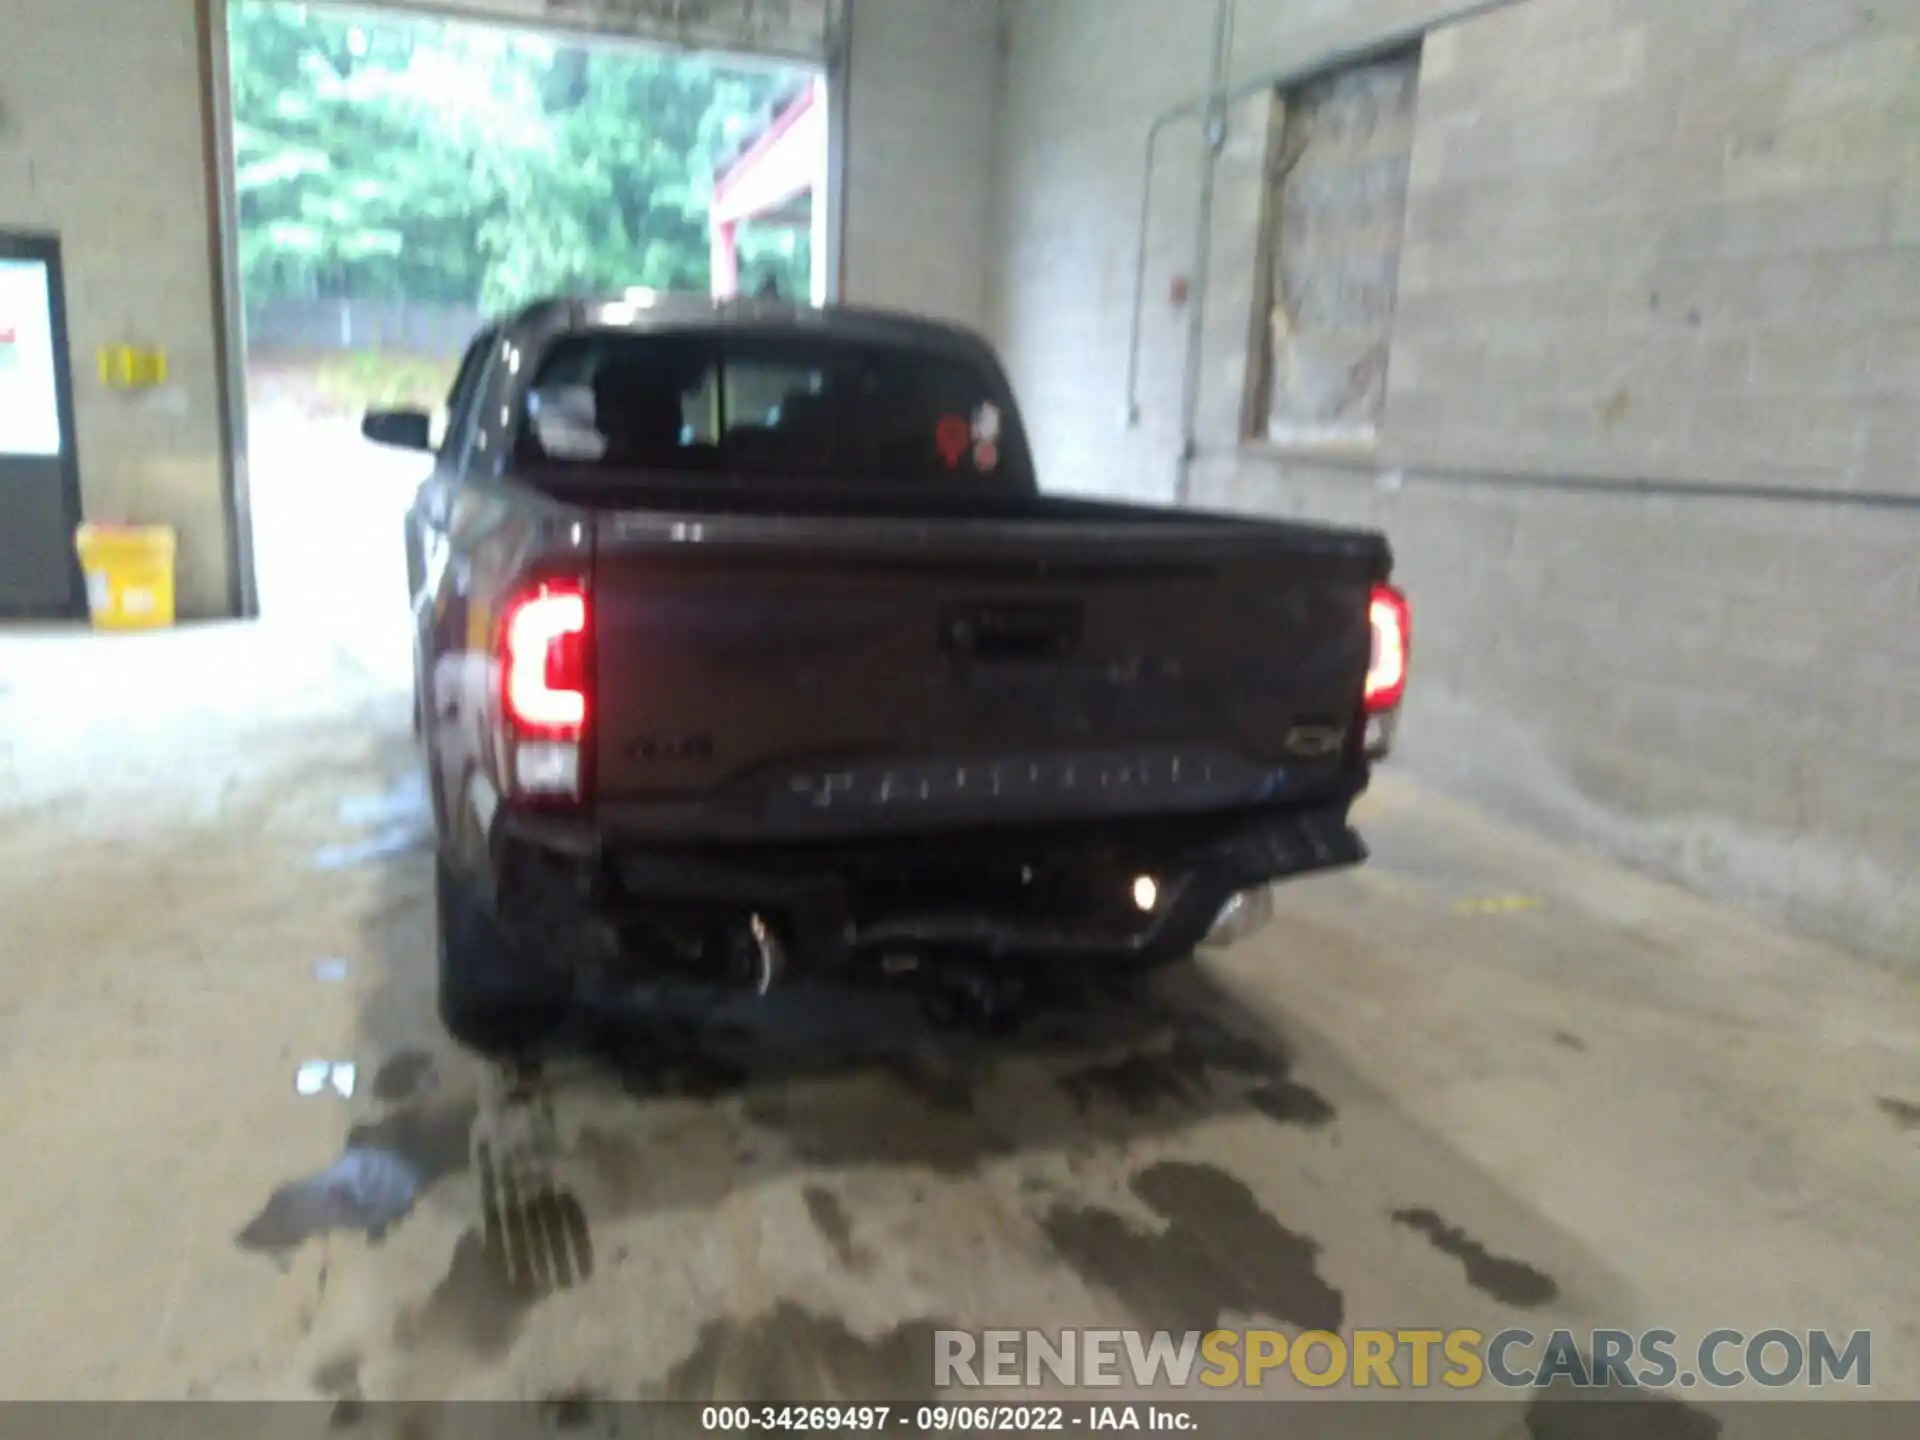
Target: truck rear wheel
[{"x": 494, "y": 997}]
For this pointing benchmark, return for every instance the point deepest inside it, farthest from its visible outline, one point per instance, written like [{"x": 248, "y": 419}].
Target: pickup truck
[{"x": 749, "y": 648}]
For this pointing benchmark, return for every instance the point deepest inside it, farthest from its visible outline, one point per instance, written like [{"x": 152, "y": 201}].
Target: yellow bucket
[{"x": 129, "y": 570}]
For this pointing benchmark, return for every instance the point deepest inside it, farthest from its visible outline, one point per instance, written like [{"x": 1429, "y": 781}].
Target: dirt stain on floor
[
  {"x": 1189, "y": 1070},
  {"x": 1143, "y": 1083},
  {"x": 339, "y": 1377},
  {"x": 820, "y": 1091},
  {"x": 1219, "y": 1253},
  {"x": 849, "y": 1125},
  {"x": 1286, "y": 1102},
  {"x": 436, "y": 1140},
  {"x": 1903, "y": 1113},
  {"x": 800, "y": 1356},
  {"x": 830, "y": 1218},
  {"x": 475, "y": 1308},
  {"x": 946, "y": 1088},
  {"x": 618, "y": 1162},
  {"x": 1512, "y": 1282},
  {"x": 401, "y": 1077}
]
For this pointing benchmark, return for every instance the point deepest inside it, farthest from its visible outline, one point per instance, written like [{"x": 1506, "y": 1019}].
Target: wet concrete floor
[{"x": 1482, "y": 1081}]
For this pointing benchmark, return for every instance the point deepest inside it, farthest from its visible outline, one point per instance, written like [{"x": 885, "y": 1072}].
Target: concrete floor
[
  {"x": 327, "y": 509},
  {"x": 1618, "y": 1104}
]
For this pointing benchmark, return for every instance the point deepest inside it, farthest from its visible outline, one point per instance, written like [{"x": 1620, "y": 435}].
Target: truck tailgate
[{"x": 761, "y": 676}]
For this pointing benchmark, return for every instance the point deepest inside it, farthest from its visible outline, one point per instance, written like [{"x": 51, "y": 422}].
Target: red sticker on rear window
[{"x": 952, "y": 436}]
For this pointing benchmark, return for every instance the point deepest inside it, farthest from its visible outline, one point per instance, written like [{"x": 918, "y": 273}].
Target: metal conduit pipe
[
  {"x": 1131, "y": 414},
  {"x": 1213, "y": 110},
  {"x": 1213, "y": 137}
]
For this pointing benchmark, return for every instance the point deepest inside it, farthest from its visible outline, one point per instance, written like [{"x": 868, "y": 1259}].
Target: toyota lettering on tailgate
[{"x": 1148, "y": 777}]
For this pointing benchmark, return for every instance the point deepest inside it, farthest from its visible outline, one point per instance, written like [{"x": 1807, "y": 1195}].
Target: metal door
[{"x": 39, "y": 466}]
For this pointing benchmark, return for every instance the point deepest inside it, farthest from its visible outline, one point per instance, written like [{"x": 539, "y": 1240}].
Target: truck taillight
[
  {"x": 543, "y": 661},
  {"x": 1392, "y": 622}
]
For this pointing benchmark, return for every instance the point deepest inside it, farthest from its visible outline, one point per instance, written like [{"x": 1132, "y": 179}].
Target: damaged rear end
[{"x": 753, "y": 750}]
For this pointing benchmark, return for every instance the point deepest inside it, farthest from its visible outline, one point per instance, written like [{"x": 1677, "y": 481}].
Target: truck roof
[{"x": 641, "y": 311}]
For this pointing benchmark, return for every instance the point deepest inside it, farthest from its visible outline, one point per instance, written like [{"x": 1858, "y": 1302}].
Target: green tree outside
[{"x": 432, "y": 160}]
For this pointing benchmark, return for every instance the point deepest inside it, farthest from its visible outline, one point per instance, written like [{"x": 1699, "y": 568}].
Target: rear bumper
[
  {"x": 1196, "y": 886},
  {"x": 1043, "y": 894}
]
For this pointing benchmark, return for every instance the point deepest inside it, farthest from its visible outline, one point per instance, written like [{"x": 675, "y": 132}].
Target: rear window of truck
[{"x": 810, "y": 408}]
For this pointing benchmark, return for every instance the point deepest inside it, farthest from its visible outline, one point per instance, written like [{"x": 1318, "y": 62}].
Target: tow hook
[{"x": 769, "y": 956}]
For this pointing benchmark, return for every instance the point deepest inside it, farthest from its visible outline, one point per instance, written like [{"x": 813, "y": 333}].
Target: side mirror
[{"x": 402, "y": 429}]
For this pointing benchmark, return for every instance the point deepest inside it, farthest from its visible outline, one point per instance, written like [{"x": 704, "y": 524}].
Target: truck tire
[{"x": 494, "y": 998}]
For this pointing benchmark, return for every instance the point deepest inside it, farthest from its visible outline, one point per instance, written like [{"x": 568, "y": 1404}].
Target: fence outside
[{"x": 405, "y": 326}]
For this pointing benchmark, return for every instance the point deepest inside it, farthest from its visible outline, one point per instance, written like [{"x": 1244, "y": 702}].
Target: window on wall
[{"x": 1338, "y": 211}]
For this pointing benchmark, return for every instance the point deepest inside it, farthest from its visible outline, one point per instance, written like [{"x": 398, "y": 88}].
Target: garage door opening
[{"x": 399, "y": 178}]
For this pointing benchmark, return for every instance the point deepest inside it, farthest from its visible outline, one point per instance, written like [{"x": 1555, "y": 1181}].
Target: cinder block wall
[
  {"x": 1649, "y": 244},
  {"x": 103, "y": 139},
  {"x": 1685, "y": 240}
]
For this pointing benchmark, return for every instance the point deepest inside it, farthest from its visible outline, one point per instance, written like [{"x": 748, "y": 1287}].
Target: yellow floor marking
[{"x": 1498, "y": 905}]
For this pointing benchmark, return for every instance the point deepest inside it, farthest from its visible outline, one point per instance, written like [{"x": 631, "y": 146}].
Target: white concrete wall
[
  {"x": 923, "y": 89},
  {"x": 103, "y": 140},
  {"x": 1686, "y": 238}
]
